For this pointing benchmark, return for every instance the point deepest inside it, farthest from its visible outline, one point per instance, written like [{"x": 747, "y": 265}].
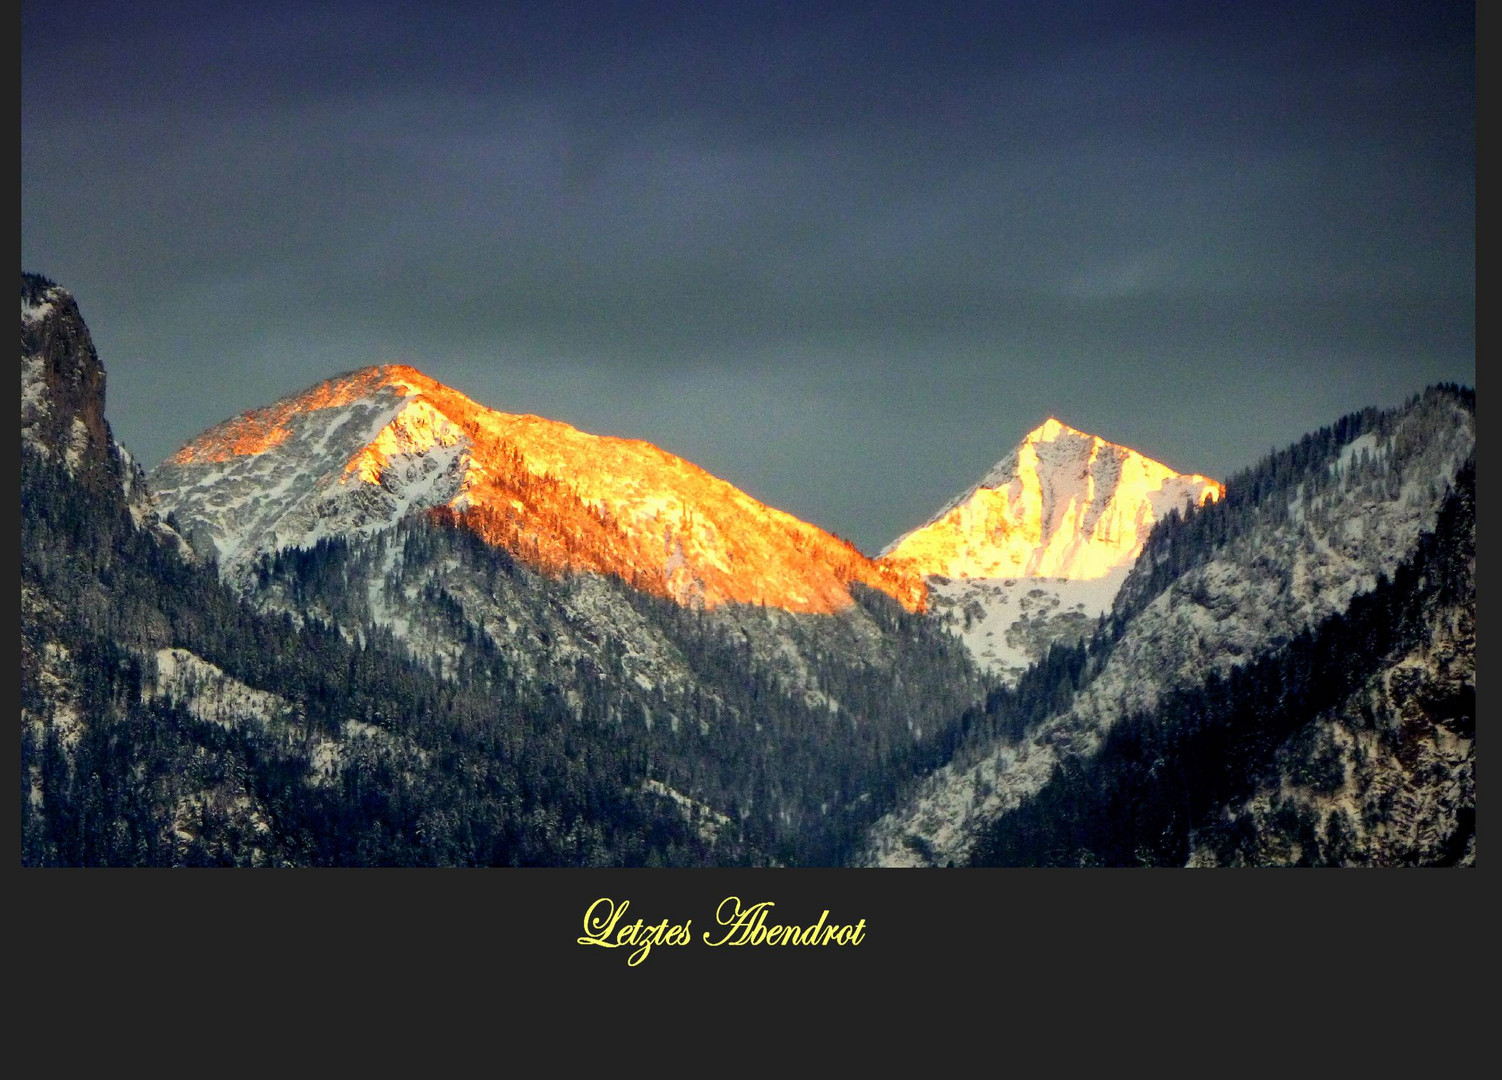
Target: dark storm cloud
[{"x": 843, "y": 259}]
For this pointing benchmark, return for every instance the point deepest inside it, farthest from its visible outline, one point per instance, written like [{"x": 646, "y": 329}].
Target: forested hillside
[{"x": 1352, "y": 745}]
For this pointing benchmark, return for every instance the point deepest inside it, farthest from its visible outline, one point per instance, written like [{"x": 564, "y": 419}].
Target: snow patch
[
  {"x": 78, "y": 442},
  {"x": 209, "y": 694},
  {"x": 35, "y": 401},
  {"x": 31, "y": 313},
  {"x": 1008, "y": 624},
  {"x": 708, "y": 820}
]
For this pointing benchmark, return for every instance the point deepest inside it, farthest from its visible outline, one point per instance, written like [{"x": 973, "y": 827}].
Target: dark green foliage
[{"x": 33, "y": 286}]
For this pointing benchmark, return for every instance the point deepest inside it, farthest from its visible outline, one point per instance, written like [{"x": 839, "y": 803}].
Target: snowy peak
[
  {"x": 359, "y": 452},
  {"x": 259, "y": 430},
  {"x": 273, "y": 477},
  {"x": 1064, "y": 504}
]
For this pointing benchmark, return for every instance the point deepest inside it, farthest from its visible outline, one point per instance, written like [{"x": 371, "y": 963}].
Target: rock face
[
  {"x": 62, "y": 381},
  {"x": 62, "y": 396},
  {"x": 358, "y": 453},
  {"x": 1386, "y": 779},
  {"x": 1035, "y": 552}
]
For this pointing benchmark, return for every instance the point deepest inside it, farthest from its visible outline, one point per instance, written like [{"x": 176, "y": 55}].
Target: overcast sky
[{"x": 843, "y": 256}]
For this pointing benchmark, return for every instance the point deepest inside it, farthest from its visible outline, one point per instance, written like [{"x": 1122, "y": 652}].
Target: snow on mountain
[
  {"x": 236, "y": 500},
  {"x": 1063, "y": 504},
  {"x": 1009, "y": 623},
  {"x": 208, "y": 693},
  {"x": 1281, "y": 563},
  {"x": 356, "y": 454},
  {"x": 211, "y": 695},
  {"x": 1035, "y": 551}
]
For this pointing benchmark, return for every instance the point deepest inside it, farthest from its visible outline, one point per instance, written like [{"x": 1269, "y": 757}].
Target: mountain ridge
[
  {"x": 417, "y": 696},
  {"x": 361, "y": 450}
]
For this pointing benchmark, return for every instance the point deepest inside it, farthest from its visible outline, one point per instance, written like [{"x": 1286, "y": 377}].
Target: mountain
[
  {"x": 404, "y": 691},
  {"x": 62, "y": 381},
  {"x": 355, "y": 454},
  {"x": 1292, "y": 544},
  {"x": 1062, "y": 504},
  {"x": 1035, "y": 551},
  {"x": 418, "y": 632},
  {"x": 632, "y": 587},
  {"x": 1353, "y": 745}
]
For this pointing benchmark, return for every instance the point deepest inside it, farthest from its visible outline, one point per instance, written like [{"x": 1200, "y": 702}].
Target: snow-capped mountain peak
[
  {"x": 357, "y": 453},
  {"x": 1036, "y": 550},
  {"x": 1064, "y": 503}
]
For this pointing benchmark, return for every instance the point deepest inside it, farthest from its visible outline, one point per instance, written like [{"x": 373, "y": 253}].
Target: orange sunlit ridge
[
  {"x": 562, "y": 499},
  {"x": 260, "y": 430}
]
